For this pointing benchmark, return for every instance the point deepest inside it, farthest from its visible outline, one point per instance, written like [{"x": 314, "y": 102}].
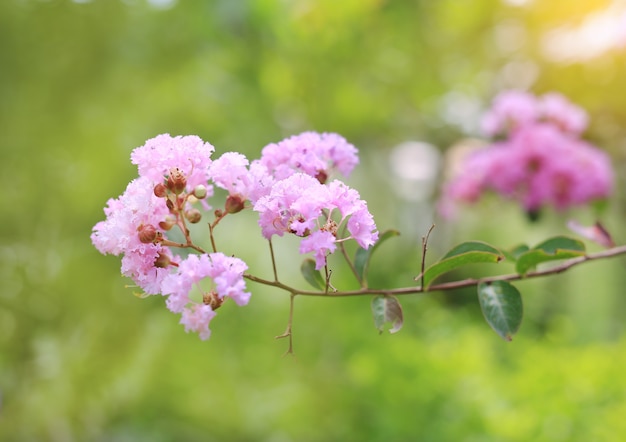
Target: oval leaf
[
  {"x": 502, "y": 307},
  {"x": 387, "y": 309},
  {"x": 553, "y": 249},
  {"x": 312, "y": 276},
  {"x": 469, "y": 252},
  {"x": 515, "y": 252},
  {"x": 362, "y": 256}
]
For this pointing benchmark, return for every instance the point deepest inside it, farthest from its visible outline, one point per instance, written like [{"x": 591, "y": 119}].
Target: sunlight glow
[{"x": 599, "y": 33}]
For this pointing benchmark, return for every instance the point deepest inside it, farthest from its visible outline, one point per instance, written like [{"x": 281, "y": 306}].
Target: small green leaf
[
  {"x": 502, "y": 307},
  {"x": 515, "y": 252},
  {"x": 469, "y": 252},
  {"x": 386, "y": 309},
  {"x": 362, "y": 256},
  {"x": 553, "y": 249},
  {"x": 312, "y": 276}
]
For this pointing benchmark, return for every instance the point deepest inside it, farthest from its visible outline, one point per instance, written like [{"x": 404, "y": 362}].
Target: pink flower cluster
[
  {"x": 288, "y": 187},
  {"x": 539, "y": 159},
  {"x": 285, "y": 186},
  {"x": 317, "y": 155},
  {"x": 513, "y": 110},
  {"x": 301, "y": 205}
]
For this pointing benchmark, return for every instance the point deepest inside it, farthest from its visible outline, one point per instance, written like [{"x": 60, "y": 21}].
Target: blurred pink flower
[
  {"x": 538, "y": 165},
  {"x": 558, "y": 110},
  {"x": 510, "y": 110}
]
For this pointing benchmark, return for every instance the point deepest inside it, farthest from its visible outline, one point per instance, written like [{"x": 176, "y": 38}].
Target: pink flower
[
  {"x": 118, "y": 233},
  {"x": 511, "y": 110},
  {"x": 231, "y": 172},
  {"x": 280, "y": 210},
  {"x": 135, "y": 207},
  {"x": 226, "y": 274},
  {"x": 321, "y": 243},
  {"x": 197, "y": 318},
  {"x": 539, "y": 165},
  {"x": 360, "y": 222},
  {"x": 557, "y": 109},
  {"x": 162, "y": 153},
  {"x": 301, "y": 205},
  {"x": 314, "y": 154}
]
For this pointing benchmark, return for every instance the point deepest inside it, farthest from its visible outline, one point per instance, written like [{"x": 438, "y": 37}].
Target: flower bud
[
  {"x": 160, "y": 190},
  {"x": 321, "y": 176},
  {"x": 162, "y": 261},
  {"x": 168, "y": 222},
  {"x": 176, "y": 181},
  {"x": 200, "y": 191},
  {"x": 193, "y": 215},
  {"x": 212, "y": 299},
  {"x": 147, "y": 233},
  {"x": 234, "y": 204}
]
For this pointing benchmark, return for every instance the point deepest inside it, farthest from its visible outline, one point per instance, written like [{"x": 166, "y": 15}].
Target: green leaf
[
  {"x": 553, "y": 249},
  {"x": 386, "y": 308},
  {"x": 469, "y": 252},
  {"x": 312, "y": 276},
  {"x": 362, "y": 256},
  {"x": 515, "y": 252},
  {"x": 502, "y": 307}
]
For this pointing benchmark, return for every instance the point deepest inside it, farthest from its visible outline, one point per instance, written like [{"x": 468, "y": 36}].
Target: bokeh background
[{"x": 84, "y": 82}]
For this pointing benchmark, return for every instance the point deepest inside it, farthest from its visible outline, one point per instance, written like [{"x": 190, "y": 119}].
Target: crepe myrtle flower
[
  {"x": 163, "y": 156},
  {"x": 226, "y": 276},
  {"x": 513, "y": 109},
  {"x": 131, "y": 220},
  {"x": 302, "y": 206},
  {"x": 538, "y": 165},
  {"x": 510, "y": 110},
  {"x": 317, "y": 155},
  {"x": 244, "y": 181}
]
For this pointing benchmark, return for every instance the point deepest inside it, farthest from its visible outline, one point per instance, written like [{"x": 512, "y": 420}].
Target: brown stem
[
  {"x": 615, "y": 251},
  {"x": 167, "y": 242}
]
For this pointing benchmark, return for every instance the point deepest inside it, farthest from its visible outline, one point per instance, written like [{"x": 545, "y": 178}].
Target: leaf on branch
[
  {"x": 312, "y": 276},
  {"x": 362, "y": 256},
  {"x": 502, "y": 307},
  {"x": 387, "y": 309},
  {"x": 470, "y": 252},
  {"x": 515, "y": 252},
  {"x": 553, "y": 249}
]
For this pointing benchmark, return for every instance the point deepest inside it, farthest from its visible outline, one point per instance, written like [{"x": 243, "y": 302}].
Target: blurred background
[{"x": 84, "y": 82}]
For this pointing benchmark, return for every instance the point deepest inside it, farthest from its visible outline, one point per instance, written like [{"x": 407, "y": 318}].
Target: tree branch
[{"x": 566, "y": 265}]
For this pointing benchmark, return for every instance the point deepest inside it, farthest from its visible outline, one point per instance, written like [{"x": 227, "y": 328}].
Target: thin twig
[
  {"x": 288, "y": 332},
  {"x": 424, "y": 250},
  {"x": 273, "y": 261},
  {"x": 167, "y": 242}
]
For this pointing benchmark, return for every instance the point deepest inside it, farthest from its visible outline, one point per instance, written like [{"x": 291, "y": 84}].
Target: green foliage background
[{"x": 82, "y": 83}]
